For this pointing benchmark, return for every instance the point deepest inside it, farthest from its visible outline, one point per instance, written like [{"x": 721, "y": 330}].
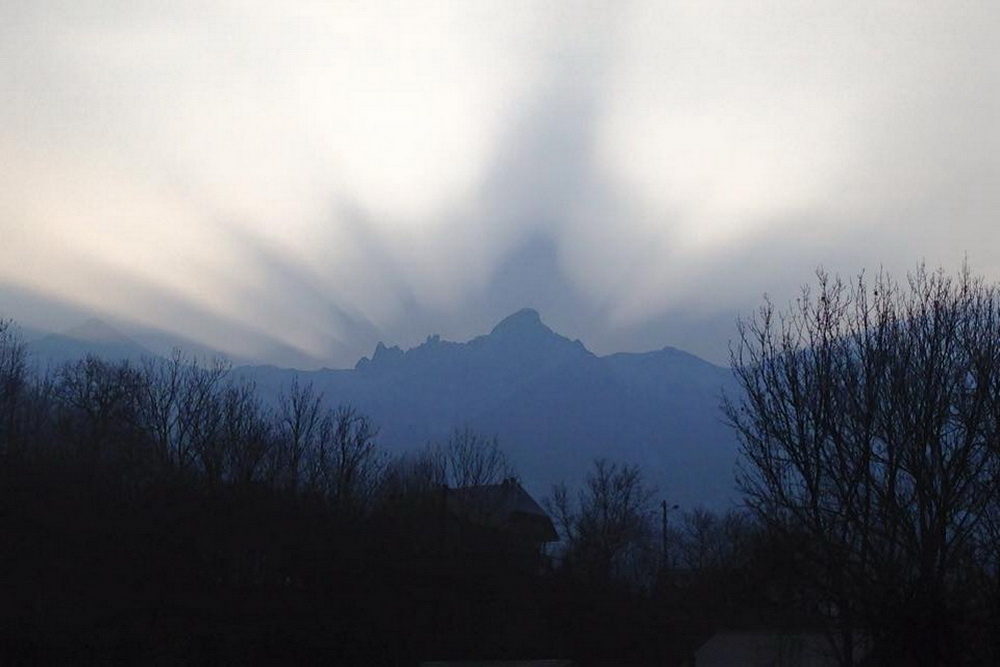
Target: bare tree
[
  {"x": 306, "y": 430},
  {"x": 163, "y": 381},
  {"x": 98, "y": 406},
  {"x": 708, "y": 542},
  {"x": 414, "y": 475},
  {"x": 200, "y": 413},
  {"x": 702, "y": 542},
  {"x": 355, "y": 464},
  {"x": 474, "y": 460},
  {"x": 179, "y": 407},
  {"x": 246, "y": 433},
  {"x": 610, "y": 529},
  {"x": 869, "y": 419},
  {"x": 13, "y": 382}
]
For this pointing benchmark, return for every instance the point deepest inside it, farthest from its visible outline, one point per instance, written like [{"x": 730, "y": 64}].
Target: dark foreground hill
[{"x": 553, "y": 404}]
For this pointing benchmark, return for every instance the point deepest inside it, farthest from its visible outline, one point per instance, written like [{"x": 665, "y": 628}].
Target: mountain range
[
  {"x": 93, "y": 337},
  {"x": 553, "y": 405}
]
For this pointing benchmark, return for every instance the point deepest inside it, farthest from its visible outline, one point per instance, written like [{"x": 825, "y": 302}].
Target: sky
[{"x": 291, "y": 182}]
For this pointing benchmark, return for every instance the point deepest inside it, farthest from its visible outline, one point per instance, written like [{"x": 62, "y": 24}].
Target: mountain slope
[
  {"x": 93, "y": 337},
  {"x": 553, "y": 404}
]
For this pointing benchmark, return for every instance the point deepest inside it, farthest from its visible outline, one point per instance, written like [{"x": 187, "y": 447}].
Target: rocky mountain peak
[{"x": 523, "y": 323}]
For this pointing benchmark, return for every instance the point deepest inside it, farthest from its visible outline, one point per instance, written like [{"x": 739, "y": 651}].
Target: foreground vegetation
[
  {"x": 161, "y": 512},
  {"x": 870, "y": 429}
]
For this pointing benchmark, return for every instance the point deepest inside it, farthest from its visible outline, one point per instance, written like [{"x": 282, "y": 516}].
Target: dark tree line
[
  {"x": 870, "y": 430},
  {"x": 161, "y": 512}
]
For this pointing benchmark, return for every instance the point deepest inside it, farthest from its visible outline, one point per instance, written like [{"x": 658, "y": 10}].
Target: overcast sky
[{"x": 293, "y": 181}]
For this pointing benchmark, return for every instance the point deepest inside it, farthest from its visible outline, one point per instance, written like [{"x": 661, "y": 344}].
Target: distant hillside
[
  {"x": 554, "y": 405},
  {"x": 92, "y": 337}
]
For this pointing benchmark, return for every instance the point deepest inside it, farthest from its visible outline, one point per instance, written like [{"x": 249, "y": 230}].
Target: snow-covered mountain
[{"x": 554, "y": 405}]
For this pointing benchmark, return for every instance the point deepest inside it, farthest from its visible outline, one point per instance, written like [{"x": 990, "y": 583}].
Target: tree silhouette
[
  {"x": 609, "y": 530},
  {"x": 471, "y": 459},
  {"x": 869, "y": 423},
  {"x": 13, "y": 383},
  {"x": 305, "y": 429}
]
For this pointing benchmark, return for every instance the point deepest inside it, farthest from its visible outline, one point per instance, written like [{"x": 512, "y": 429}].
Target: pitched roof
[{"x": 504, "y": 505}]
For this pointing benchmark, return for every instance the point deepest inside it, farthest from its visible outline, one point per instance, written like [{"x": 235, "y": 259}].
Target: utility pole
[{"x": 663, "y": 506}]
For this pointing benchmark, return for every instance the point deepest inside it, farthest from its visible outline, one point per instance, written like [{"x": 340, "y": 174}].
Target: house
[
  {"x": 766, "y": 649},
  {"x": 501, "y": 663},
  {"x": 505, "y": 506}
]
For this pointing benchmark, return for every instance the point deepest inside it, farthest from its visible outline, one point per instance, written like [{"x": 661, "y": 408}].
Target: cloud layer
[{"x": 290, "y": 181}]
